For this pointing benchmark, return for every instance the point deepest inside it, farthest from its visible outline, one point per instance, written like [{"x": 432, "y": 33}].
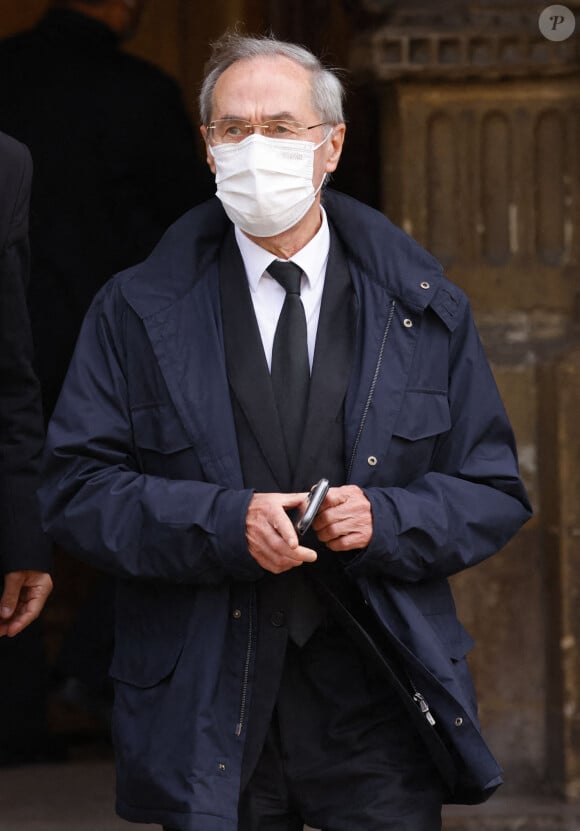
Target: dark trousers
[
  {"x": 24, "y": 733},
  {"x": 340, "y": 753}
]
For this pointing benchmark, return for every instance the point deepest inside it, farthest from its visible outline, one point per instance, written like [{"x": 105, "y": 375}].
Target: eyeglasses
[{"x": 234, "y": 130}]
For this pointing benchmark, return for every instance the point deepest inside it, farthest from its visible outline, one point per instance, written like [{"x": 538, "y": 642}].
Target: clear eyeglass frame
[{"x": 234, "y": 130}]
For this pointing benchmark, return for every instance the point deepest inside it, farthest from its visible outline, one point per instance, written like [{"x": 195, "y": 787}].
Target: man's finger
[
  {"x": 13, "y": 582},
  {"x": 21, "y": 620}
]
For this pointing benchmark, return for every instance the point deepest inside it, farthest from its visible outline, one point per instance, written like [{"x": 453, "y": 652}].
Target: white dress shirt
[{"x": 268, "y": 295}]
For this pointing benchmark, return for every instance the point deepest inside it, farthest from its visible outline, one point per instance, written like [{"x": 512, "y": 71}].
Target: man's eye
[
  {"x": 234, "y": 130},
  {"x": 280, "y": 128}
]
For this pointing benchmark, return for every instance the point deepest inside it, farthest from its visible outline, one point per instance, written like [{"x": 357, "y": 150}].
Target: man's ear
[
  {"x": 335, "y": 143},
  {"x": 208, "y": 156}
]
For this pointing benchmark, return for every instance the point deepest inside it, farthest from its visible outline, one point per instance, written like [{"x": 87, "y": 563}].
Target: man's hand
[
  {"x": 24, "y": 596},
  {"x": 345, "y": 520},
  {"x": 271, "y": 537}
]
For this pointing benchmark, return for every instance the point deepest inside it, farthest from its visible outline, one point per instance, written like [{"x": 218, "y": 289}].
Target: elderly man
[
  {"x": 115, "y": 160},
  {"x": 279, "y": 334}
]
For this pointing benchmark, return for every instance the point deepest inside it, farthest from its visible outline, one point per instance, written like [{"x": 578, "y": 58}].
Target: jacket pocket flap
[
  {"x": 422, "y": 414},
  {"x": 150, "y": 624},
  {"x": 159, "y": 428},
  {"x": 462, "y": 645},
  {"x": 455, "y": 638},
  {"x": 143, "y": 667}
]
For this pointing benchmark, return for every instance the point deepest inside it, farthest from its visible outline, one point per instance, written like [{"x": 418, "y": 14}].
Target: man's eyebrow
[{"x": 281, "y": 116}]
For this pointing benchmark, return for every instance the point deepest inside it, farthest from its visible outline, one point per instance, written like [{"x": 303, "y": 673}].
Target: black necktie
[
  {"x": 291, "y": 382},
  {"x": 290, "y": 365}
]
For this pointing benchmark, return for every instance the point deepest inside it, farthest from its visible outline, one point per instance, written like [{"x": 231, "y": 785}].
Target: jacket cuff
[
  {"x": 23, "y": 545},
  {"x": 230, "y": 541},
  {"x": 383, "y": 542}
]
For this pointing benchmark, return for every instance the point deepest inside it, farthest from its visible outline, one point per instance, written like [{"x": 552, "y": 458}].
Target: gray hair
[{"x": 327, "y": 89}]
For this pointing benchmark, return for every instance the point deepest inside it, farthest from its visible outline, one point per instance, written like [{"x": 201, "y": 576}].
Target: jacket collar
[
  {"x": 380, "y": 250},
  {"x": 187, "y": 253},
  {"x": 387, "y": 255}
]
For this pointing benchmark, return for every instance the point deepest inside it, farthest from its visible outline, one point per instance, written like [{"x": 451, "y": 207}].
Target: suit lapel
[
  {"x": 247, "y": 368},
  {"x": 333, "y": 355}
]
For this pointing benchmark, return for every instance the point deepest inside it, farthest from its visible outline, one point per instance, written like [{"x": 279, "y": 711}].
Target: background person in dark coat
[
  {"x": 115, "y": 163},
  {"x": 25, "y": 553}
]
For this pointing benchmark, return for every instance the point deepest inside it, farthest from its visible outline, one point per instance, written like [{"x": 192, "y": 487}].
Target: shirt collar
[{"x": 311, "y": 259}]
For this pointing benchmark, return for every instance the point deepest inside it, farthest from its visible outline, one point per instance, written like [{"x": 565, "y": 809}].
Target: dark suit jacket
[
  {"x": 22, "y": 544},
  {"x": 115, "y": 163}
]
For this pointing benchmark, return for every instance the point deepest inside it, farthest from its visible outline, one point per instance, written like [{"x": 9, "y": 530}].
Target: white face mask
[{"x": 265, "y": 184}]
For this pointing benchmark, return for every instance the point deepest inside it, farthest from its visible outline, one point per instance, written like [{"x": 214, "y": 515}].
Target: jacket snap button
[
  {"x": 458, "y": 721},
  {"x": 278, "y": 619},
  {"x": 221, "y": 767},
  {"x": 236, "y": 614},
  {"x": 408, "y": 323},
  {"x": 372, "y": 460},
  {"x": 425, "y": 285}
]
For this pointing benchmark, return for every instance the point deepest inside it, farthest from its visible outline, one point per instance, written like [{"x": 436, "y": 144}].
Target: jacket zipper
[
  {"x": 418, "y": 697},
  {"x": 372, "y": 389},
  {"x": 246, "y": 673},
  {"x": 421, "y": 702},
  {"x": 424, "y": 707}
]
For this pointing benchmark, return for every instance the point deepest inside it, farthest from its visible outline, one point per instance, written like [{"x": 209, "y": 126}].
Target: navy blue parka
[{"x": 142, "y": 479}]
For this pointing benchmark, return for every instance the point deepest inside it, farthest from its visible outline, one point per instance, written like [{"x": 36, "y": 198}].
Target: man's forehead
[
  {"x": 276, "y": 63},
  {"x": 264, "y": 74},
  {"x": 263, "y": 86}
]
